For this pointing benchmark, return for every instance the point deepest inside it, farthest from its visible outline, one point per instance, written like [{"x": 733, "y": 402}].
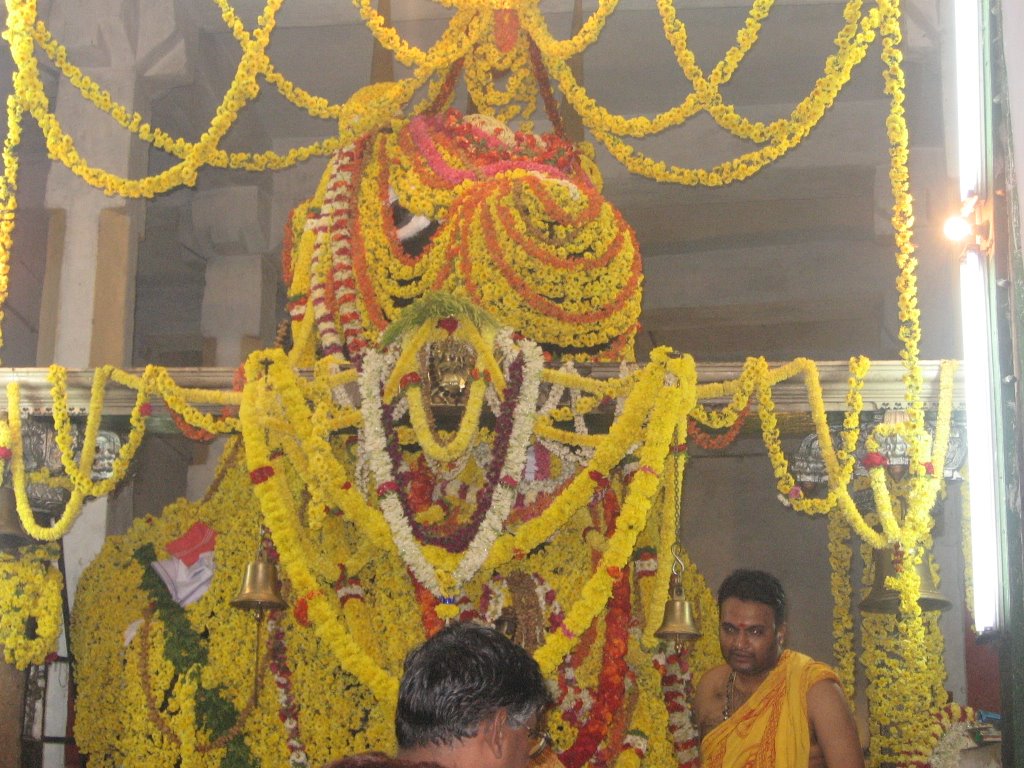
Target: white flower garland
[
  {"x": 515, "y": 460},
  {"x": 373, "y": 446}
]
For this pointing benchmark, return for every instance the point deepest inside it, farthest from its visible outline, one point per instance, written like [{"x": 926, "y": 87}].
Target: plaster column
[
  {"x": 82, "y": 269},
  {"x": 230, "y": 229},
  {"x": 133, "y": 51}
]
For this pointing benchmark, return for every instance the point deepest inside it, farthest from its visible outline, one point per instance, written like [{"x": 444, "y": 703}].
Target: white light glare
[
  {"x": 957, "y": 229},
  {"x": 981, "y": 449}
]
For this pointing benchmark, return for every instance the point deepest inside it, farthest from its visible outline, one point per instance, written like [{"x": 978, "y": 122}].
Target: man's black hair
[
  {"x": 756, "y": 587},
  {"x": 459, "y": 678}
]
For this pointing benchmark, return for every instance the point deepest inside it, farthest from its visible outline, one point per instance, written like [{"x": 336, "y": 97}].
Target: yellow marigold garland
[
  {"x": 323, "y": 416},
  {"x": 645, "y": 484},
  {"x": 840, "y": 556},
  {"x": 912, "y": 527},
  {"x": 78, "y": 477},
  {"x": 274, "y": 497},
  {"x": 575, "y": 283},
  {"x": 472, "y": 35},
  {"x": 8, "y": 203},
  {"x": 31, "y": 606}
]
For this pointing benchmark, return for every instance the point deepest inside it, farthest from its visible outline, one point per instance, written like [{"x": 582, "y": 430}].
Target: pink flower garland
[{"x": 424, "y": 130}]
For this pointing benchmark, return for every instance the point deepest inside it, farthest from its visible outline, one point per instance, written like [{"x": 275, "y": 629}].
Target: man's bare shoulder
[
  {"x": 828, "y": 696},
  {"x": 715, "y": 677},
  {"x": 709, "y": 698},
  {"x": 833, "y": 725}
]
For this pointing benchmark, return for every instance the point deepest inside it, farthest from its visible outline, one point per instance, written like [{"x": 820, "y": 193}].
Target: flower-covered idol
[{"x": 513, "y": 221}]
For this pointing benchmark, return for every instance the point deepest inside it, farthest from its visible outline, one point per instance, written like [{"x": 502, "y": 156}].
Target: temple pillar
[
  {"x": 134, "y": 53},
  {"x": 231, "y": 230},
  {"x": 94, "y": 283},
  {"x": 237, "y": 307},
  {"x": 100, "y": 233}
]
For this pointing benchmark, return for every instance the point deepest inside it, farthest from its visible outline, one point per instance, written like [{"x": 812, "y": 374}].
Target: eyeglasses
[{"x": 540, "y": 741}]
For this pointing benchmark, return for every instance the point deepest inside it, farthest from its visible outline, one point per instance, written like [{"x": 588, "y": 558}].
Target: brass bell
[
  {"x": 678, "y": 624},
  {"x": 260, "y": 590},
  {"x": 883, "y": 600},
  {"x": 12, "y": 534}
]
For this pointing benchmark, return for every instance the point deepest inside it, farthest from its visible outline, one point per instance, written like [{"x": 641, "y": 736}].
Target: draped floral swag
[{"x": 440, "y": 244}]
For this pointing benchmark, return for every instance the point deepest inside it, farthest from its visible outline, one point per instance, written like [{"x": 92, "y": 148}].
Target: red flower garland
[
  {"x": 611, "y": 683},
  {"x": 428, "y": 607},
  {"x": 261, "y": 474},
  {"x": 197, "y": 434},
  {"x": 716, "y": 442},
  {"x": 678, "y": 693}
]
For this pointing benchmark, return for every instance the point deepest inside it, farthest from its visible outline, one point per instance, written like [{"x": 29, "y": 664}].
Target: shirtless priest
[{"x": 766, "y": 707}]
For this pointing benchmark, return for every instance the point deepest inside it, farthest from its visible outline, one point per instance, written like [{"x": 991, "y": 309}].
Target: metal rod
[{"x": 256, "y": 671}]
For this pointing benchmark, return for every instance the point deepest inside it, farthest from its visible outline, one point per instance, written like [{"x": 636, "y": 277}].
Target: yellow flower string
[
  {"x": 645, "y": 484},
  {"x": 272, "y": 494},
  {"x": 904, "y": 517},
  {"x": 8, "y": 203},
  {"x": 73, "y": 506},
  {"x": 470, "y": 36},
  {"x": 30, "y": 89},
  {"x": 78, "y": 476},
  {"x": 610, "y": 451},
  {"x": 840, "y": 556},
  {"x": 563, "y": 50},
  {"x": 288, "y": 397},
  {"x": 672, "y": 501},
  {"x": 781, "y": 137},
  {"x": 31, "y": 606}
]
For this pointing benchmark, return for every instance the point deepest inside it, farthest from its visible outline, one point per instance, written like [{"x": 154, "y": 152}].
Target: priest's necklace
[{"x": 730, "y": 686}]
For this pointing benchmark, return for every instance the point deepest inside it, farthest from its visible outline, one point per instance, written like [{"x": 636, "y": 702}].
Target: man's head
[
  {"x": 469, "y": 682},
  {"x": 752, "y": 621}
]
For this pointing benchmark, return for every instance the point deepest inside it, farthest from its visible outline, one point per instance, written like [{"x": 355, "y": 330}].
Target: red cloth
[{"x": 196, "y": 540}]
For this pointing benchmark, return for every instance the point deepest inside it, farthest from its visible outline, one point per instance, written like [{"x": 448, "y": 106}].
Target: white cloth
[
  {"x": 131, "y": 631},
  {"x": 186, "y": 583}
]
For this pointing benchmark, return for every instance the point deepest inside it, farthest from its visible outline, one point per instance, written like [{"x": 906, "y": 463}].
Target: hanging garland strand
[
  {"x": 472, "y": 37},
  {"x": 154, "y": 382}
]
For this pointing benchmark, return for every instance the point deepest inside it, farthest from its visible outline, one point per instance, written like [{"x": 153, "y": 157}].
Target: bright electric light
[
  {"x": 969, "y": 107},
  {"x": 981, "y": 448},
  {"x": 957, "y": 229}
]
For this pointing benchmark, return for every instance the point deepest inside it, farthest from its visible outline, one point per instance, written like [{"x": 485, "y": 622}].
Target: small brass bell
[
  {"x": 260, "y": 590},
  {"x": 678, "y": 624},
  {"x": 883, "y": 600},
  {"x": 12, "y": 534}
]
